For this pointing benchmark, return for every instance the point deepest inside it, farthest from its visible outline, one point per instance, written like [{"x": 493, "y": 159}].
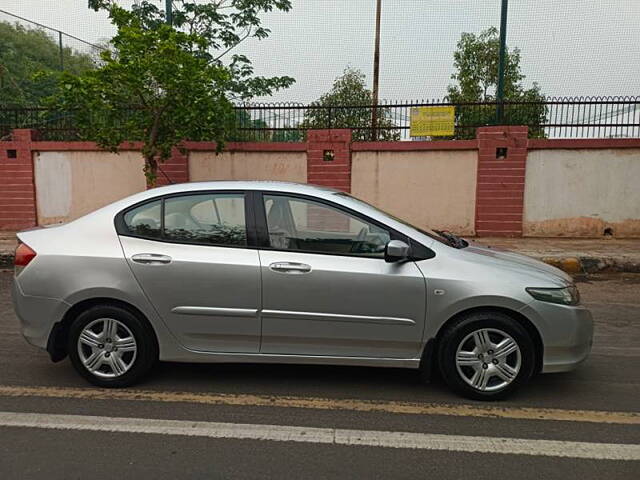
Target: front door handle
[
  {"x": 151, "y": 258},
  {"x": 289, "y": 267}
]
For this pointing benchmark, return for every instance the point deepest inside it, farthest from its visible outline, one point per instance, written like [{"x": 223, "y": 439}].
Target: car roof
[
  {"x": 246, "y": 185},
  {"x": 264, "y": 185}
]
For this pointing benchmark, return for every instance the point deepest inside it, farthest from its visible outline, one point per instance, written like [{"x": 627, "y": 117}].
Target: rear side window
[
  {"x": 144, "y": 221},
  {"x": 208, "y": 219}
]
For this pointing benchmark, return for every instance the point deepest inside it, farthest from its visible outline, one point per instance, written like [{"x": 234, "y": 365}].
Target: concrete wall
[
  {"x": 577, "y": 193},
  {"x": 500, "y": 184},
  {"x": 434, "y": 188},
  {"x": 71, "y": 184},
  {"x": 283, "y": 166}
]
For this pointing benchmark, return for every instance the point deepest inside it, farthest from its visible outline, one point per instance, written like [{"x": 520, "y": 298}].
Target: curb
[
  {"x": 577, "y": 265},
  {"x": 571, "y": 265}
]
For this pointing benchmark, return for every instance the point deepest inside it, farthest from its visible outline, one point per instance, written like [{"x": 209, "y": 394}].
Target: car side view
[{"x": 287, "y": 273}]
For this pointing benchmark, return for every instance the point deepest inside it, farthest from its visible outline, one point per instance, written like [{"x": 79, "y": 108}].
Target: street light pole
[
  {"x": 501, "y": 63},
  {"x": 376, "y": 74},
  {"x": 169, "y": 11}
]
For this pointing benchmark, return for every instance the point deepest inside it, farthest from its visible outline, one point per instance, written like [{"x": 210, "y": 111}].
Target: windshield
[{"x": 436, "y": 235}]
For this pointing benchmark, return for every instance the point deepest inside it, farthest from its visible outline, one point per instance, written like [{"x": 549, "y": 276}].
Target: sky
[{"x": 569, "y": 47}]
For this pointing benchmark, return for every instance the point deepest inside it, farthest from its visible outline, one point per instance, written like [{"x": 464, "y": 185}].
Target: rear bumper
[
  {"x": 37, "y": 315},
  {"x": 566, "y": 331}
]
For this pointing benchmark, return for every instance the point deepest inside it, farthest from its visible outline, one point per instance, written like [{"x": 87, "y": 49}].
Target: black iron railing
[
  {"x": 576, "y": 117},
  {"x": 579, "y": 117}
]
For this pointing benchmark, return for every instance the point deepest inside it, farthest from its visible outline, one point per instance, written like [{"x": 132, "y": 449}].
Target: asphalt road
[{"x": 325, "y": 422}]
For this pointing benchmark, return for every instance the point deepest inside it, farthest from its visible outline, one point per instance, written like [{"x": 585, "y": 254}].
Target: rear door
[
  {"x": 327, "y": 289},
  {"x": 191, "y": 255}
]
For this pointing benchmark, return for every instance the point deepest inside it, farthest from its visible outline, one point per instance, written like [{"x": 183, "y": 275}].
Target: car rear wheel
[
  {"x": 111, "y": 347},
  {"x": 486, "y": 355}
]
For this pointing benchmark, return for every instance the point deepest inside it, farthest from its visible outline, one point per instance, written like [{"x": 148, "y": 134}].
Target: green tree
[
  {"x": 350, "y": 90},
  {"x": 26, "y": 52},
  {"x": 258, "y": 130},
  {"x": 162, "y": 84},
  {"x": 249, "y": 129},
  {"x": 476, "y": 76},
  {"x": 293, "y": 135}
]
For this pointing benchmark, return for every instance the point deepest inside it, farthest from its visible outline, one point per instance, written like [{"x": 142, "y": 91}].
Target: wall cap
[
  {"x": 415, "y": 146},
  {"x": 582, "y": 143}
]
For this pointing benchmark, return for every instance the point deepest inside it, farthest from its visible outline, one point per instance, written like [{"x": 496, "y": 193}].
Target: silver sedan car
[{"x": 287, "y": 273}]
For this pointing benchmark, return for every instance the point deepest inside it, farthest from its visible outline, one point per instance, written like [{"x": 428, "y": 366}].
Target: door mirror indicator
[{"x": 395, "y": 251}]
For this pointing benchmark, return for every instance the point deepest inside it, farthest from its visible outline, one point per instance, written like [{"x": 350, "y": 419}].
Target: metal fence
[{"x": 583, "y": 117}]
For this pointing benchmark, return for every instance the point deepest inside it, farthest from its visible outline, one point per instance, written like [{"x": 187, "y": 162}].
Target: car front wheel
[
  {"x": 486, "y": 355},
  {"x": 111, "y": 347}
]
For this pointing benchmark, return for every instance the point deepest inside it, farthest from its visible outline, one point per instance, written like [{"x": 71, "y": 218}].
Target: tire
[
  {"x": 111, "y": 362},
  {"x": 472, "y": 365}
]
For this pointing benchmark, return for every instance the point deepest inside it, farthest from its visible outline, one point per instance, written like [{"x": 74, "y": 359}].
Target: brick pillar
[
  {"x": 17, "y": 183},
  {"x": 329, "y": 158},
  {"x": 502, "y": 160},
  {"x": 176, "y": 168}
]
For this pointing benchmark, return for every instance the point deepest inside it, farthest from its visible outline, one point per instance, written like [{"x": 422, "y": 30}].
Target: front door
[
  {"x": 327, "y": 290},
  {"x": 189, "y": 253}
]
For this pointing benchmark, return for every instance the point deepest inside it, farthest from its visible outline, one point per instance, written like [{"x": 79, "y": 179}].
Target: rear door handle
[
  {"x": 151, "y": 258},
  {"x": 289, "y": 267}
]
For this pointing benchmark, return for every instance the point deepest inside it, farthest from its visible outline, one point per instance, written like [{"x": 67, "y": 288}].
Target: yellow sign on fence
[{"x": 432, "y": 121}]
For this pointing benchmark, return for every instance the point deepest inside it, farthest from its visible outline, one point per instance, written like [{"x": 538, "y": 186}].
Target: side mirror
[{"x": 395, "y": 251}]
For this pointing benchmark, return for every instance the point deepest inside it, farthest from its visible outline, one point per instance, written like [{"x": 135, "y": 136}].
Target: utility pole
[
  {"x": 501, "y": 63},
  {"x": 169, "y": 11},
  {"x": 376, "y": 74},
  {"x": 61, "y": 50}
]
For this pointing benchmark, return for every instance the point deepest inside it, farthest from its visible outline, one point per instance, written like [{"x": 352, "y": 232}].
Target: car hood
[{"x": 516, "y": 261}]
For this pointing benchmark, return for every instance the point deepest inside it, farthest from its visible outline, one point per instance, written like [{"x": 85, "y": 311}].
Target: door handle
[
  {"x": 288, "y": 267},
  {"x": 151, "y": 258}
]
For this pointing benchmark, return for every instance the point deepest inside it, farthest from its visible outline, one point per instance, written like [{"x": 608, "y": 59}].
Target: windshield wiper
[{"x": 454, "y": 240}]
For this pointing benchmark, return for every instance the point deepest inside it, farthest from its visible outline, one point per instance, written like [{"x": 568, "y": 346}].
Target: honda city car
[{"x": 242, "y": 271}]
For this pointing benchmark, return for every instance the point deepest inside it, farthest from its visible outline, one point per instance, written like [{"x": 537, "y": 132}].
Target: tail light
[{"x": 24, "y": 255}]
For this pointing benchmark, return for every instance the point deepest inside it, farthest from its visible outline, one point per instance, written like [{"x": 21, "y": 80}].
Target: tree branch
[{"x": 234, "y": 45}]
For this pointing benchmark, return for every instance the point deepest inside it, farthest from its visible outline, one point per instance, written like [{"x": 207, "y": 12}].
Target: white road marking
[{"x": 281, "y": 433}]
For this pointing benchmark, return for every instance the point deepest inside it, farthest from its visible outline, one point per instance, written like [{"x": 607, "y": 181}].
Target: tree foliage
[
  {"x": 162, "y": 84},
  {"x": 24, "y": 54},
  {"x": 350, "y": 90},
  {"x": 258, "y": 130},
  {"x": 476, "y": 62}
]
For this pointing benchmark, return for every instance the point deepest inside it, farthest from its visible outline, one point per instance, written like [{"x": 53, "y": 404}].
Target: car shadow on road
[{"x": 298, "y": 380}]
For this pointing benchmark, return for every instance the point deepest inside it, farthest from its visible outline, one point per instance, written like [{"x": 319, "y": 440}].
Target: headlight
[{"x": 564, "y": 296}]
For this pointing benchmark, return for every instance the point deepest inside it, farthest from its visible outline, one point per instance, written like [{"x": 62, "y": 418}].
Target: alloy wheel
[
  {"x": 488, "y": 359},
  {"x": 107, "y": 348}
]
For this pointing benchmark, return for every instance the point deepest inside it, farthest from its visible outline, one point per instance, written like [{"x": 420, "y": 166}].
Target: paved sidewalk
[{"x": 570, "y": 254}]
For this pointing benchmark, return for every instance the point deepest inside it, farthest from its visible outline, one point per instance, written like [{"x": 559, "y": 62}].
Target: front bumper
[
  {"x": 566, "y": 331},
  {"x": 37, "y": 315}
]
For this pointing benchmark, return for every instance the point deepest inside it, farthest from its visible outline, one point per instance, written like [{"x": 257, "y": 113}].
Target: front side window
[
  {"x": 209, "y": 219},
  {"x": 305, "y": 225}
]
